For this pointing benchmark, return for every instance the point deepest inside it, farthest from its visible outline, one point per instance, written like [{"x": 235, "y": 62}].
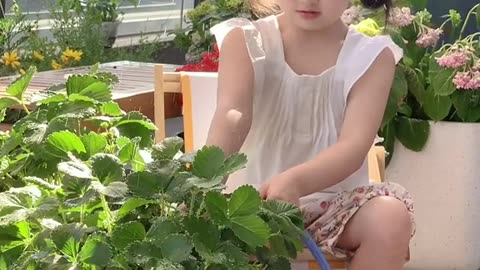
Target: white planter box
[{"x": 444, "y": 180}]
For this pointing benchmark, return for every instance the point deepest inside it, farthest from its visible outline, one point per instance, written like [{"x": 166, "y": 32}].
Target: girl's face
[{"x": 313, "y": 15}]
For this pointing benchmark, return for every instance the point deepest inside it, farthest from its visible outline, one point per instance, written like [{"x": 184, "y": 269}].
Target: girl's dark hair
[{"x": 376, "y": 4}]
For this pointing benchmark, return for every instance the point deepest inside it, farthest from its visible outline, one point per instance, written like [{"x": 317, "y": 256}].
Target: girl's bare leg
[{"x": 379, "y": 233}]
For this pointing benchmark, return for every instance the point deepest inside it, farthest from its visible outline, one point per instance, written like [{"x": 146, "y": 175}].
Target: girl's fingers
[{"x": 264, "y": 192}]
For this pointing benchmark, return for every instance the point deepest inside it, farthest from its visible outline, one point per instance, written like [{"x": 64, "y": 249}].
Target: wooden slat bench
[{"x": 135, "y": 90}]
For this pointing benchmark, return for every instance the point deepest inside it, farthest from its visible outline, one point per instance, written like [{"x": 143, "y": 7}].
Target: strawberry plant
[{"x": 84, "y": 186}]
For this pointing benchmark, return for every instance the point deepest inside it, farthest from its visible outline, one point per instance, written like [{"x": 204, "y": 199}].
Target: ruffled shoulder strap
[
  {"x": 359, "y": 53},
  {"x": 253, "y": 38},
  {"x": 253, "y": 41}
]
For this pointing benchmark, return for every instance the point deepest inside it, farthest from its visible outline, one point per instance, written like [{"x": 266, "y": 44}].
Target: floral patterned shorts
[{"x": 326, "y": 220}]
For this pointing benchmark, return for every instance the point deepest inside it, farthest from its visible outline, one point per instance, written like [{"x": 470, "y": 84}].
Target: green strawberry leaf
[
  {"x": 107, "y": 168},
  {"x": 217, "y": 207},
  {"x": 208, "y": 162},
  {"x": 113, "y": 189},
  {"x": 18, "y": 87},
  {"x": 127, "y": 233},
  {"x": 94, "y": 143},
  {"x": 176, "y": 247},
  {"x": 244, "y": 201},
  {"x": 162, "y": 228},
  {"x": 62, "y": 142},
  {"x": 167, "y": 149},
  {"x": 251, "y": 230},
  {"x": 95, "y": 252}
]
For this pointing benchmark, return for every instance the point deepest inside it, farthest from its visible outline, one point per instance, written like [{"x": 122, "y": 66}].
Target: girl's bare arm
[{"x": 233, "y": 115}]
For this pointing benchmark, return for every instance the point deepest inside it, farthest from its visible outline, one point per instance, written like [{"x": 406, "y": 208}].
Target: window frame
[{"x": 3, "y": 3}]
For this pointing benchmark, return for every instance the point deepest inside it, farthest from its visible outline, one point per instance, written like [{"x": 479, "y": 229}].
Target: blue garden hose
[{"x": 316, "y": 252}]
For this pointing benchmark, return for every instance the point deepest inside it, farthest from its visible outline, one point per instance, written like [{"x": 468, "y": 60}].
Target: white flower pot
[{"x": 444, "y": 180}]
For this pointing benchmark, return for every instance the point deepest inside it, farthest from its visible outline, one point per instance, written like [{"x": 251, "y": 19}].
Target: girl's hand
[{"x": 281, "y": 187}]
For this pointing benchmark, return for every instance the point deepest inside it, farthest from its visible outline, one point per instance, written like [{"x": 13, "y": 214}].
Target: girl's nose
[{"x": 313, "y": 4}]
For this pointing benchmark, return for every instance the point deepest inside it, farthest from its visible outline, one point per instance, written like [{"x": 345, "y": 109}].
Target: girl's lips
[{"x": 309, "y": 15}]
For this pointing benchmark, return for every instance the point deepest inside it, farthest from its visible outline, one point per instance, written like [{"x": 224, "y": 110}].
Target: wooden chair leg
[{"x": 159, "y": 107}]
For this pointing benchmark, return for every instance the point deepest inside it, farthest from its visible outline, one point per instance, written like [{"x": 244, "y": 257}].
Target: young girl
[{"x": 303, "y": 95}]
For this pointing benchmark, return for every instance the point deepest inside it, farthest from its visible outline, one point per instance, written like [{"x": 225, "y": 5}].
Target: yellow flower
[
  {"x": 56, "y": 65},
  {"x": 368, "y": 27},
  {"x": 78, "y": 56},
  {"x": 38, "y": 56},
  {"x": 74, "y": 54},
  {"x": 65, "y": 59},
  {"x": 11, "y": 59}
]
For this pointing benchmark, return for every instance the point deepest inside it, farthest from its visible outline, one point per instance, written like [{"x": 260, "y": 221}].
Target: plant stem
[
  {"x": 64, "y": 218},
  {"x": 202, "y": 205},
  {"x": 11, "y": 177},
  {"x": 79, "y": 132},
  {"x": 82, "y": 212},
  {"x": 25, "y": 107},
  {"x": 192, "y": 203},
  {"x": 445, "y": 22},
  {"x": 164, "y": 206},
  {"x": 57, "y": 179},
  {"x": 472, "y": 37},
  {"x": 465, "y": 23},
  {"x": 108, "y": 213},
  {"x": 167, "y": 207}
]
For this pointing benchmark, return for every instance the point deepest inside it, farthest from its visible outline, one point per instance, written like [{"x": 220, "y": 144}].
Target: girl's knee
[
  {"x": 383, "y": 222},
  {"x": 388, "y": 221}
]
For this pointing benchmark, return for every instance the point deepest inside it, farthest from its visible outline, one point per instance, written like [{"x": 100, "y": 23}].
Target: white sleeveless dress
[{"x": 295, "y": 117}]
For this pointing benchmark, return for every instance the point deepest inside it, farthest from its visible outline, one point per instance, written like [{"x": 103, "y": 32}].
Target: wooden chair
[
  {"x": 199, "y": 101},
  {"x": 196, "y": 115}
]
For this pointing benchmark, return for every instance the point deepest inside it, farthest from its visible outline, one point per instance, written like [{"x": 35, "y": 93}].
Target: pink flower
[
  {"x": 461, "y": 80},
  {"x": 351, "y": 15},
  {"x": 475, "y": 81},
  {"x": 429, "y": 37},
  {"x": 401, "y": 17},
  {"x": 469, "y": 80},
  {"x": 454, "y": 59}
]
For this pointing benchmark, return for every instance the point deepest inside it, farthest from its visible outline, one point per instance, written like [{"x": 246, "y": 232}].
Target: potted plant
[
  {"x": 430, "y": 131},
  {"x": 84, "y": 187},
  {"x": 195, "y": 39},
  {"x": 109, "y": 12}
]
